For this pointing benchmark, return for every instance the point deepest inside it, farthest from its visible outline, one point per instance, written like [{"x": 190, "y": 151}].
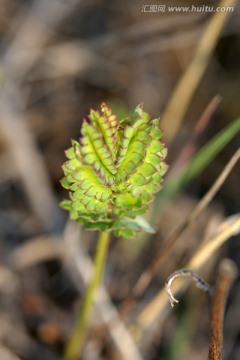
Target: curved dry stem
[{"x": 200, "y": 282}]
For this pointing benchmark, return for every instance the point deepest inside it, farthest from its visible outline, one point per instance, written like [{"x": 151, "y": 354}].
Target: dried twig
[
  {"x": 201, "y": 283},
  {"x": 227, "y": 274}
]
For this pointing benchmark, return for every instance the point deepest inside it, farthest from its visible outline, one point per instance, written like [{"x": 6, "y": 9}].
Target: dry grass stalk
[{"x": 227, "y": 274}]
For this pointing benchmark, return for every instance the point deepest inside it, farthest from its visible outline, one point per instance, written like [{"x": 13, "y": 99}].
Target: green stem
[{"x": 76, "y": 341}]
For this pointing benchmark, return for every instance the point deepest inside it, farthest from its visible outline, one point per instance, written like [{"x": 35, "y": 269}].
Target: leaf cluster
[{"x": 114, "y": 171}]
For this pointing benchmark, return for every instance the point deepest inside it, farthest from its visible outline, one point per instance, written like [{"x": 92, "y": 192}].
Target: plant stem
[
  {"x": 76, "y": 341},
  {"x": 227, "y": 274}
]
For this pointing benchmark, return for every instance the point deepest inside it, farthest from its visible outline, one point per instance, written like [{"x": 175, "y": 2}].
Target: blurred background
[{"x": 60, "y": 58}]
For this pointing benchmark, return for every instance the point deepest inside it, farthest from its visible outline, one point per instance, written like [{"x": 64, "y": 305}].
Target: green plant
[
  {"x": 114, "y": 171},
  {"x": 112, "y": 174}
]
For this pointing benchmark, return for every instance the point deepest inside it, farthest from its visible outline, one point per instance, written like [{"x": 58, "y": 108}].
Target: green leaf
[
  {"x": 107, "y": 125},
  {"x": 147, "y": 169},
  {"x": 66, "y": 204},
  {"x": 144, "y": 225},
  {"x": 138, "y": 179},
  {"x": 139, "y": 223},
  {"x": 94, "y": 150},
  {"x": 65, "y": 183}
]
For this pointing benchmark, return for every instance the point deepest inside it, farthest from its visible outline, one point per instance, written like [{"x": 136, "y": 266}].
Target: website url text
[{"x": 184, "y": 9}]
